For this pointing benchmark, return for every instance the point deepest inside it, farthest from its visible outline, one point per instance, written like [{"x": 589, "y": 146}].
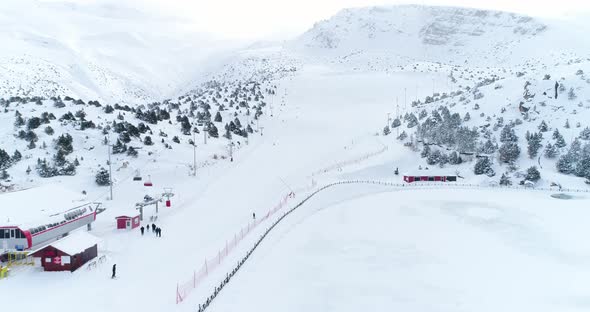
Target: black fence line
[{"x": 202, "y": 307}]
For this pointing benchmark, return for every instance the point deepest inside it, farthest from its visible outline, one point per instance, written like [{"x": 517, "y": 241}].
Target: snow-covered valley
[{"x": 457, "y": 90}]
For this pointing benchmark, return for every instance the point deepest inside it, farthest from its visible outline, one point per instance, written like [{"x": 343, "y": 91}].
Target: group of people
[{"x": 156, "y": 230}]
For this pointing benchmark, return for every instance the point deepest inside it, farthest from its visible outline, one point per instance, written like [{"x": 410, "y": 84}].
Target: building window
[
  {"x": 12, "y": 233},
  {"x": 47, "y": 260},
  {"x": 1, "y": 234}
]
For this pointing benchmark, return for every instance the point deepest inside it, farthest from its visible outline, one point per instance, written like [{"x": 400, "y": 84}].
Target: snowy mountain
[
  {"x": 94, "y": 51},
  {"x": 399, "y": 35}
]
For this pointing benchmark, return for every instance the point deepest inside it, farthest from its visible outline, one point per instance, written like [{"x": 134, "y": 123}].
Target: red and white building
[
  {"x": 68, "y": 253},
  {"x": 429, "y": 176},
  {"x": 128, "y": 222},
  {"x": 37, "y": 216}
]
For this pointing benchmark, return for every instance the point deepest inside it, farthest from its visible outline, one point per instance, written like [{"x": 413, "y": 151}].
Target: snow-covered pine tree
[
  {"x": 386, "y": 131},
  {"x": 483, "y": 165},
  {"x": 508, "y": 134},
  {"x": 533, "y": 174},
  {"x": 534, "y": 145},
  {"x": 509, "y": 152},
  {"x": 551, "y": 151},
  {"x": 102, "y": 177},
  {"x": 396, "y": 123}
]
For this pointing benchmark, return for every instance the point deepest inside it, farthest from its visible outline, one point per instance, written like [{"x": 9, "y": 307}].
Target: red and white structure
[
  {"x": 427, "y": 177},
  {"x": 69, "y": 253},
  {"x": 127, "y": 222},
  {"x": 39, "y": 215}
]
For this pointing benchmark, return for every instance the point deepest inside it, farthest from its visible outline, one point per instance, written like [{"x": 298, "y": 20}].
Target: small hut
[
  {"x": 127, "y": 222},
  {"x": 69, "y": 253}
]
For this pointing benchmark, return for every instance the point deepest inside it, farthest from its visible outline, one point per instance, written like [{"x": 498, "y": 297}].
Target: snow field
[{"x": 363, "y": 247}]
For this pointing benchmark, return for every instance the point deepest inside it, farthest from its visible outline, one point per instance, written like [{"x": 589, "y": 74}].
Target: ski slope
[{"x": 357, "y": 248}]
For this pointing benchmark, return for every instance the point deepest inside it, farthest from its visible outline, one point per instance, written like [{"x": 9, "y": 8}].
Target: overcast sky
[{"x": 259, "y": 19}]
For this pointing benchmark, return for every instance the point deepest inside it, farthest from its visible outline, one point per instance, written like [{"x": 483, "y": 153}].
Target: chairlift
[
  {"x": 137, "y": 176},
  {"x": 148, "y": 182}
]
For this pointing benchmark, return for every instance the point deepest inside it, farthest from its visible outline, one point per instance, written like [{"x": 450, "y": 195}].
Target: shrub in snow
[
  {"x": 543, "y": 126},
  {"x": 64, "y": 143},
  {"x": 547, "y": 77},
  {"x": 508, "y": 134},
  {"x": 504, "y": 180},
  {"x": 33, "y": 123},
  {"x": 175, "y": 139},
  {"x": 386, "y": 131},
  {"x": 131, "y": 151},
  {"x": 533, "y": 174},
  {"x": 148, "y": 140},
  {"x": 402, "y": 136},
  {"x": 396, "y": 123},
  {"x": 571, "y": 95},
  {"x": 455, "y": 159},
  {"x": 4, "y": 174},
  {"x": 425, "y": 151},
  {"x": 49, "y": 130},
  {"x": 467, "y": 117},
  {"x": 102, "y": 177}
]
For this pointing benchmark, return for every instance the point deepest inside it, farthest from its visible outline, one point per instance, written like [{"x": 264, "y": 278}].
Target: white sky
[{"x": 258, "y": 19}]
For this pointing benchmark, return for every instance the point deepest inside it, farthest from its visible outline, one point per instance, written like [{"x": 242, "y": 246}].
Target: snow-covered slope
[{"x": 95, "y": 51}]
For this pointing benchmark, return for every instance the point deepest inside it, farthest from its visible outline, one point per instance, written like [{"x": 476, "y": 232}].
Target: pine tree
[
  {"x": 467, "y": 117},
  {"x": 559, "y": 141},
  {"x": 402, "y": 136},
  {"x": 16, "y": 157},
  {"x": 585, "y": 134},
  {"x": 213, "y": 132},
  {"x": 218, "y": 117},
  {"x": 5, "y": 160},
  {"x": 434, "y": 158},
  {"x": 504, "y": 180},
  {"x": 556, "y": 134},
  {"x": 567, "y": 124},
  {"x": 483, "y": 165},
  {"x": 551, "y": 151},
  {"x": 147, "y": 140},
  {"x": 19, "y": 121},
  {"x": 227, "y": 134},
  {"x": 543, "y": 126},
  {"x": 119, "y": 147},
  {"x": 534, "y": 144},
  {"x": 386, "y": 131},
  {"x": 64, "y": 142},
  {"x": 533, "y": 174},
  {"x": 4, "y": 174},
  {"x": 249, "y": 129},
  {"x": 28, "y": 171},
  {"x": 103, "y": 177},
  {"x": 583, "y": 162},
  {"x": 396, "y": 123},
  {"x": 509, "y": 152},
  {"x": 425, "y": 151},
  {"x": 508, "y": 134},
  {"x": 175, "y": 139},
  {"x": 488, "y": 147}
]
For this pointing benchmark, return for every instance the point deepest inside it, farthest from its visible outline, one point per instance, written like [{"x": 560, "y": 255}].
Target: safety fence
[
  {"x": 183, "y": 289},
  {"x": 400, "y": 187},
  {"x": 349, "y": 162}
]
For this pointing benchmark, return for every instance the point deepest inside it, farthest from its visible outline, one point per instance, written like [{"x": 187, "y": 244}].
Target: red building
[
  {"x": 429, "y": 178},
  {"x": 69, "y": 253},
  {"x": 127, "y": 223}
]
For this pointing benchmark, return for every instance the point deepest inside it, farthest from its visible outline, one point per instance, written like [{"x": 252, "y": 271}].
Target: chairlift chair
[
  {"x": 137, "y": 176},
  {"x": 148, "y": 182}
]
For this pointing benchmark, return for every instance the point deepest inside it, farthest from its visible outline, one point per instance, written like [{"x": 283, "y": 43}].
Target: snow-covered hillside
[{"x": 95, "y": 51}]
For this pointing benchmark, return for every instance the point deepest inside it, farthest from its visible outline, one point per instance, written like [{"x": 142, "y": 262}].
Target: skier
[
  {"x": 114, "y": 270},
  {"x": 253, "y": 215},
  {"x": 556, "y": 86},
  {"x": 142, "y": 229}
]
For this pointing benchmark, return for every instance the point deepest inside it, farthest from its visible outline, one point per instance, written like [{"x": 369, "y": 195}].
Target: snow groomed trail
[{"x": 396, "y": 187}]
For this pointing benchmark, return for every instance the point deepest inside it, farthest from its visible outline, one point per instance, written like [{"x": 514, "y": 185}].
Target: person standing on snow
[
  {"x": 254, "y": 215},
  {"x": 556, "y": 86},
  {"x": 141, "y": 229},
  {"x": 153, "y": 227},
  {"x": 114, "y": 270}
]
